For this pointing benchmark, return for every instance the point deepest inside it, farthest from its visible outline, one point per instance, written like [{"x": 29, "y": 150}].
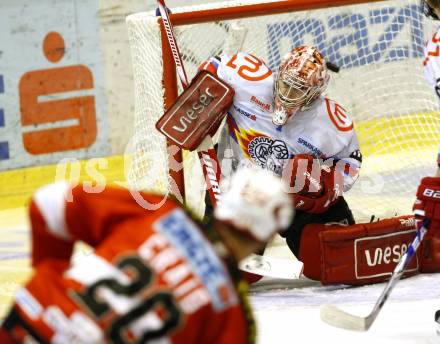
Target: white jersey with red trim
[
  {"x": 324, "y": 129},
  {"x": 431, "y": 63}
]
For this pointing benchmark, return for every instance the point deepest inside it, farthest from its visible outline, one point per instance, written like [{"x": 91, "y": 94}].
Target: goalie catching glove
[
  {"x": 427, "y": 206},
  {"x": 316, "y": 186}
]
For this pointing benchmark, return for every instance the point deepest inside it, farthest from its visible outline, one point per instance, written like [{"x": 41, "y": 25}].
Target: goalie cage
[{"x": 378, "y": 46}]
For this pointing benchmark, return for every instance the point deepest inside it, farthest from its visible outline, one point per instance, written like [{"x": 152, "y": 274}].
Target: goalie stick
[
  {"x": 337, "y": 317},
  {"x": 207, "y": 155}
]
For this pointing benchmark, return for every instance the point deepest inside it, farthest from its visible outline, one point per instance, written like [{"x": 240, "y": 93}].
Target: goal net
[{"x": 378, "y": 47}]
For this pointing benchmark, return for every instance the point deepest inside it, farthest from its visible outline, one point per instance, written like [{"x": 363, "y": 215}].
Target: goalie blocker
[
  {"x": 197, "y": 112},
  {"x": 362, "y": 253}
]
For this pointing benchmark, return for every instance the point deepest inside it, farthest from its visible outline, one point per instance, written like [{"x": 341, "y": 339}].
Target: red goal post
[{"x": 385, "y": 130}]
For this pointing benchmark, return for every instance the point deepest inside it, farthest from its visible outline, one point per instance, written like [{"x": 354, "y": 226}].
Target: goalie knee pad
[{"x": 358, "y": 254}]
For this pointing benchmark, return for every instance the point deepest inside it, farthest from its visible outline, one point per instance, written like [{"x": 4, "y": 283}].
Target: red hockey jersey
[{"x": 153, "y": 276}]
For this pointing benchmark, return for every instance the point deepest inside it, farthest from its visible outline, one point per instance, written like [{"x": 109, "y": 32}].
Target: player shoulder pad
[{"x": 338, "y": 115}]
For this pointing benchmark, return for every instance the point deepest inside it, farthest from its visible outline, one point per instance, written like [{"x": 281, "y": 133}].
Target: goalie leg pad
[{"x": 358, "y": 254}]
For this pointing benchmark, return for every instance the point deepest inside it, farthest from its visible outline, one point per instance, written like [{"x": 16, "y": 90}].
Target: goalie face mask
[
  {"x": 255, "y": 203},
  {"x": 302, "y": 77},
  {"x": 428, "y": 9}
]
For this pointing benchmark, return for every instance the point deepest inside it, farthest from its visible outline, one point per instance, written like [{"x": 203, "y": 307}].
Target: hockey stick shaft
[
  {"x": 207, "y": 155},
  {"x": 339, "y": 318},
  {"x": 172, "y": 43}
]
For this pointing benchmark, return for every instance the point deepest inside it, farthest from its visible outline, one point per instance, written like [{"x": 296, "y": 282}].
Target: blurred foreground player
[{"x": 154, "y": 276}]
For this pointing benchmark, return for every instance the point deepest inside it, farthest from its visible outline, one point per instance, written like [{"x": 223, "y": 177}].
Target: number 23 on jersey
[{"x": 249, "y": 67}]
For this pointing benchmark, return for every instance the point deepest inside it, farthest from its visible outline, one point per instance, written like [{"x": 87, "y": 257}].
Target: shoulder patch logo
[{"x": 338, "y": 115}]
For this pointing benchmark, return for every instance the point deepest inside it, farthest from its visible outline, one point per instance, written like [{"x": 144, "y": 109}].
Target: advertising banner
[{"x": 52, "y": 100}]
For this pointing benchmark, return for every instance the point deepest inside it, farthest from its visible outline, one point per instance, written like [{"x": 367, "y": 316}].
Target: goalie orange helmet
[{"x": 302, "y": 77}]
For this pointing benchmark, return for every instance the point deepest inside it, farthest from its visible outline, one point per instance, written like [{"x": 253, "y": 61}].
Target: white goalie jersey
[
  {"x": 323, "y": 130},
  {"x": 431, "y": 63}
]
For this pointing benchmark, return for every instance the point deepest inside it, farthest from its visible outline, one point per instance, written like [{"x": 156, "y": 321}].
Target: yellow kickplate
[{"x": 17, "y": 186}]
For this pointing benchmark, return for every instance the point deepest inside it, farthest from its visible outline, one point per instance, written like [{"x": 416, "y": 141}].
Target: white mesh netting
[{"x": 379, "y": 47}]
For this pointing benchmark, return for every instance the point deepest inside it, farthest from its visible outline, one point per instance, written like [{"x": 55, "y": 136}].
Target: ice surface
[{"x": 288, "y": 312}]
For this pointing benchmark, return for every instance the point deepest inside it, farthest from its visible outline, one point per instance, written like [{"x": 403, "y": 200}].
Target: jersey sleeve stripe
[
  {"x": 51, "y": 201},
  {"x": 232, "y": 127},
  {"x": 210, "y": 65}
]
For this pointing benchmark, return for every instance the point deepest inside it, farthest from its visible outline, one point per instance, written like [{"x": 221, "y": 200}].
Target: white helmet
[
  {"x": 255, "y": 202},
  {"x": 302, "y": 77}
]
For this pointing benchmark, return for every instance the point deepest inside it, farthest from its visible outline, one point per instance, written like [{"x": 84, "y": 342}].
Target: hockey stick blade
[
  {"x": 339, "y": 318},
  {"x": 272, "y": 267},
  {"x": 335, "y": 316}
]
